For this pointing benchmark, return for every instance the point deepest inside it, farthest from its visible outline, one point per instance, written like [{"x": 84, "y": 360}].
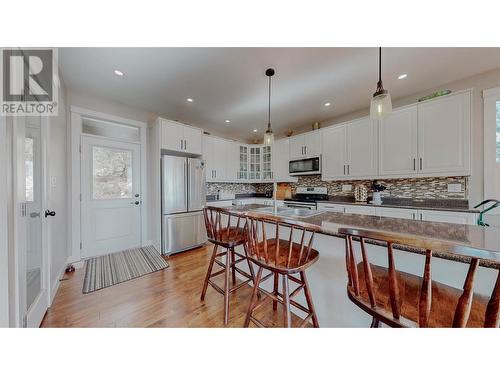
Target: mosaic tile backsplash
[{"x": 416, "y": 188}]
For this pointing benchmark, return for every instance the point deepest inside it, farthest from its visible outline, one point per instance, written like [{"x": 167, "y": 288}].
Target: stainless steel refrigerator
[{"x": 183, "y": 198}]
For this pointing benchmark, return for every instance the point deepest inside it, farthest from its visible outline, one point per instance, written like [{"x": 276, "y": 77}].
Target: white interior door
[
  {"x": 111, "y": 196},
  {"x": 33, "y": 258}
]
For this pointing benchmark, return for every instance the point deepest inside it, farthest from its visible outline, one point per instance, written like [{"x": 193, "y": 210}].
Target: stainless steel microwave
[{"x": 301, "y": 167}]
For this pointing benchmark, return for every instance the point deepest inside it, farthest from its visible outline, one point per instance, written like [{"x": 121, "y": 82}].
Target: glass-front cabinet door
[
  {"x": 267, "y": 166},
  {"x": 255, "y": 163},
  {"x": 243, "y": 169}
]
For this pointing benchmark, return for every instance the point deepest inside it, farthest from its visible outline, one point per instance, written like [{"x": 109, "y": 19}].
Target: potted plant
[{"x": 376, "y": 188}]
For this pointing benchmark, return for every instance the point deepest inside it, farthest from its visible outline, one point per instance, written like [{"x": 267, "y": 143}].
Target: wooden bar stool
[
  {"x": 282, "y": 257},
  {"x": 221, "y": 233},
  {"x": 399, "y": 299}
]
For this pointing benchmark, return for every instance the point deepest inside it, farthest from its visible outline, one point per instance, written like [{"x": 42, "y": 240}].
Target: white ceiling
[{"x": 229, "y": 83}]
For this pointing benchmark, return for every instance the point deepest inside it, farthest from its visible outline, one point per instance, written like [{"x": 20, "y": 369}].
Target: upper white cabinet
[
  {"x": 280, "y": 159},
  {"x": 243, "y": 162},
  {"x": 362, "y": 148},
  {"x": 178, "y": 137},
  {"x": 398, "y": 143},
  {"x": 221, "y": 159},
  {"x": 350, "y": 150},
  {"x": 255, "y": 164},
  {"x": 334, "y": 157},
  {"x": 444, "y": 135},
  {"x": 305, "y": 145}
]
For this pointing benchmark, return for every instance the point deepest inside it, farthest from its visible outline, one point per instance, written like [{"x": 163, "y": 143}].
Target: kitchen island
[{"x": 328, "y": 277}]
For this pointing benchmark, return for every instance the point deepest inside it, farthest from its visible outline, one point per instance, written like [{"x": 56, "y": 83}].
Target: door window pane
[
  {"x": 28, "y": 157},
  {"x": 112, "y": 173}
]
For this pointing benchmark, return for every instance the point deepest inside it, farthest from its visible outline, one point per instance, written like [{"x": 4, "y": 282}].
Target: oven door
[{"x": 305, "y": 166}]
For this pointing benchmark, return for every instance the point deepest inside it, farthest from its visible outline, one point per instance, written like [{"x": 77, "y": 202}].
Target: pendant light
[
  {"x": 381, "y": 104},
  {"x": 269, "y": 136}
]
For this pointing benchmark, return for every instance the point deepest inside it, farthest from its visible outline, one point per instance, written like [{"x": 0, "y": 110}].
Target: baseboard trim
[{"x": 55, "y": 286}]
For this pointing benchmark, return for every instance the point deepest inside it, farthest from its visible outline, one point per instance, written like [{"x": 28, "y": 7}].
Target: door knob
[
  {"x": 136, "y": 203},
  {"x": 34, "y": 214},
  {"x": 50, "y": 213}
]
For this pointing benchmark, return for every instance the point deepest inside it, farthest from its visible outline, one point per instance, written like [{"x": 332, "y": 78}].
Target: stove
[{"x": 307, "y": 197}]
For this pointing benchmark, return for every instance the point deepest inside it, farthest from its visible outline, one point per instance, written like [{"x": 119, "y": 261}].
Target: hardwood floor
[{"x": 167, "y": 298}]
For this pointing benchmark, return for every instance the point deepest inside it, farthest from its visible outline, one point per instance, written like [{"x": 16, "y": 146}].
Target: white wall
[
  {"x": 57, "y": 193},
  {"x": 4, "y": 248},
  {"x": 478, "y": 83}
]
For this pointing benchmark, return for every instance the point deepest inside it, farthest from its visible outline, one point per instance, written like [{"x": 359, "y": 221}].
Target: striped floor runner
[{"x": 112, "y": 269}]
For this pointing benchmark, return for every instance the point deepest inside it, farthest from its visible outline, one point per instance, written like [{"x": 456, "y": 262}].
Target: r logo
[{"x": 27, "y": 75}]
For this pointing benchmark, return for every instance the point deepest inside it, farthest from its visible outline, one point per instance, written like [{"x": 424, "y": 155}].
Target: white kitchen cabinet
[
  {"x": 399, "y": 213},
  {"x": 192, "y": 140},
  {"x": 448, "y": 217},
  {"x": 243, "y": 162},
  {"x": 362, "y": 148},
  {"x": 221, "y": 159},
  {"x": 267, "y": 163},
  {"x": 305, "y": 145},
  {"x": 331, "y": 207},
  {"x": 362, "y": 210},
  {"x": 280, "y": 159},
  {"x": 334, "y": 157},
  {"x": 179, "y": 137},
  {"x": 255, "y": 163},
  {"x": 444, "y": 135},
  {"x": 397, "y": 143}
]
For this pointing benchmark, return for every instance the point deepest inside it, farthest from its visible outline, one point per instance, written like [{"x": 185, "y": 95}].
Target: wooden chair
[
  {"x": 282, "y": 257},
  {"x": 221, "y": 233},
  {"x": 399, "y": 299}
]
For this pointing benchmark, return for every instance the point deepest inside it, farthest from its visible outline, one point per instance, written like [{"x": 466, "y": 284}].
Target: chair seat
[
  {"x": 444, "y": 297},
  {"x": 281, "y": 265},
  {"x": 229, "y": 237}
]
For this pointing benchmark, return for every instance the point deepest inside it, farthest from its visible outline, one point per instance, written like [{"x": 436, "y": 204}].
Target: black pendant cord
[
  {"x": 380, "y": 64},
  {"x": 269, "y": 107}
]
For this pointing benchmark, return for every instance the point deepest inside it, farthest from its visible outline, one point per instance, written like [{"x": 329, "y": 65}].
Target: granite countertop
[
  {"x": 456, "y": 205},
  {"x": 449, "y": 241}
]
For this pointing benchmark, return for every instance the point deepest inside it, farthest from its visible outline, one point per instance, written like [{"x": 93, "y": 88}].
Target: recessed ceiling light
[
  {"x": 118, "y": 73},
  {"x": 328, "y": 104},
  {"x": 190, "y": 100},
  {"x": 227, "y": 121},
  {"x": 255, "y": 130},
  {"x": 403, "y": 76}
]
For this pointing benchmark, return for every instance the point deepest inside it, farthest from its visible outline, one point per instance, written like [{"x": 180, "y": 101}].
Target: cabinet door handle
[
  {"x": 348, "y": 169},
  {"x": 420, "y": 163},
  {"x": 181, "y": 144},
  {"x": 185, "y": 144},
  {"x": 305, "y": 150},
  {"x": 344, "y": 169},
  {"x": 414, "y": 164}
]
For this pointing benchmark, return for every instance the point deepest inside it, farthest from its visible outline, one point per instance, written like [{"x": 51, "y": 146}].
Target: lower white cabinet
[
  {"x": 448, "y": 217},
  {"x": 361, "y": 210},
  {"x": 399, "y": 213},
  {"x": 452, "y": 217}
]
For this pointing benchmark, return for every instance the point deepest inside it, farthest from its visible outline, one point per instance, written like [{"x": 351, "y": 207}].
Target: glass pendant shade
[
  {"x": 380, "y": 106},
  {"x": 268, "y": 138}
]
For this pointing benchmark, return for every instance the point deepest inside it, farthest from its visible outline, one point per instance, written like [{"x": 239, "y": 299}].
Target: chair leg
[
  {"x": 309, "y": 301},
  {"x": 233, "y": 268},
  {"x": 287, "y": 318},
  {"x": 275, "y": 290},
  {"x": 375, "y": 323},
  {"x": 226, "y": 285},
  {"x": 209, "y": 272},
  {"x": 250, "y": 267},
  {"x": 254, "y": 297}
]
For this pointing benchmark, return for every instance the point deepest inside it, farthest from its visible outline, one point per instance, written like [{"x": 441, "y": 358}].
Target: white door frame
[
  {"x": 4, "y": 244},
  {"x": 490, "y": 97},
  {"x": 74, "y": 140}
]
